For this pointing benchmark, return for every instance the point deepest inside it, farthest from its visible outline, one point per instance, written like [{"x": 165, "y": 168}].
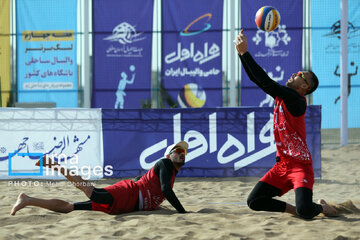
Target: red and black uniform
[
  {"x": 124, "y": 196},
  {"x": 157, "y": 184},
  {"x": 293, "y": 169}
]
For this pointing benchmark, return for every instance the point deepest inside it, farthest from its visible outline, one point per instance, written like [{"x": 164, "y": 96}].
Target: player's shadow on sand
[
  {"x": 165, "y": 211},
  {"x": 347, "y": 219}
]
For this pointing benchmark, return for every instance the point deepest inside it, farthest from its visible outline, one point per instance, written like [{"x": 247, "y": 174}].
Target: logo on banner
[
  {"x": 353, "y": 46},
  {"x": 37, "y": 156},
  {"x": 182, "y": 53},
  {"x": 186, "y": 32},
  {"x": 120, "y": 92},
  {"x": 272, "y": 40},
  {"x": 125, "y": 34}
]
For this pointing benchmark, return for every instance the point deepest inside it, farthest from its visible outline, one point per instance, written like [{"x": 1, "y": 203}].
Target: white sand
[{"x": 218, "y": 205}]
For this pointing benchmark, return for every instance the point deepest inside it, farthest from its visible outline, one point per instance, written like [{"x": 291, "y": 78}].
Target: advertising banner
[
  {"x": 277, "y": 52},
  {"x": 122, "y": 44},
  {"x": 191, "y": 75},
  {"x": 326, "y": 39},
  {"x": 72, "y": 137},
  {"x": 46, "y": 52},
  {"x": 224, "y": 142}
]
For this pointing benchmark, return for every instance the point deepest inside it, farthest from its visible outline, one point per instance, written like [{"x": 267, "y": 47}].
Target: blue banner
[
  {"x": 191, "y": 53},
  {"x": 46, "y": 51},
  {"x": 224, "y": 142},
  {"x": 277, "y": 52},
  {"x": 122, "y": 53},
  {"x": 326, "y": 47}
]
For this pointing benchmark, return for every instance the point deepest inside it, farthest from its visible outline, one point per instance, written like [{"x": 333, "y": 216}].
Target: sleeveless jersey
[
  {"x": 290, "y": 135},
  {"x": 150, "y": 188}
]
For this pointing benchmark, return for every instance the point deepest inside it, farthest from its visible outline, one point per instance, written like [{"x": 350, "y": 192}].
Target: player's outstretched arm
[{"x": 165, "y": 174}]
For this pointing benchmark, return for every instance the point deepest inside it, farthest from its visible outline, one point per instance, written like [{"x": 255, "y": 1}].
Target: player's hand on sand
[{"x": 241, "y": 43}]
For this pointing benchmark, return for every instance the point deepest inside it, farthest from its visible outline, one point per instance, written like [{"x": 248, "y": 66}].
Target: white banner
[{"x": 71, "y": 136}]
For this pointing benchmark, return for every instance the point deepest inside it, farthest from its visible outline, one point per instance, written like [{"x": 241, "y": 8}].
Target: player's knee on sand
[
  {"x": 254, "y": 203},
  {"x": 306, "y": 211}
]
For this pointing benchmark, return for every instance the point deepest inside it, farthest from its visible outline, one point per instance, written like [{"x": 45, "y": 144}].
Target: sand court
[{"x": 218, "y": 207}]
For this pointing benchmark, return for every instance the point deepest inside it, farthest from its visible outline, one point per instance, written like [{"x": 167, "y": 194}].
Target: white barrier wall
[{"x": 73, "y": 136}]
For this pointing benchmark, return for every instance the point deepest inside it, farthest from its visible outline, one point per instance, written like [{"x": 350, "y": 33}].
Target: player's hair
[{"x": 315, "y": 83}]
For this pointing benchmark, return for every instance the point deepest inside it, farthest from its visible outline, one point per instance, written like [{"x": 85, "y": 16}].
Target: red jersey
[
  {"x": 150, "y": 188},
  {"x": 290, "y": 135}
]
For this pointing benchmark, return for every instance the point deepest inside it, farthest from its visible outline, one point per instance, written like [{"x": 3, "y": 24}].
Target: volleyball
[
  {"x": 267, "y": 18},
  {"x": 192, "y": 96}
]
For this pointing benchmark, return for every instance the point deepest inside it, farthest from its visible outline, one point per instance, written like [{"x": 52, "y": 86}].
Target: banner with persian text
[
  {"x": 191, "y": 75},
  {"x": 95, "y": 143},
  {"x": 277, "y": 52},
  {"x": 223, "y": 142},
  {"x": 5, "y": 83},
  {"x": 46, "y": 52},
  {"x": 72, "y": 137},
  {"x": 326, "y": 41},
  {"x": 122, "y": 44}
]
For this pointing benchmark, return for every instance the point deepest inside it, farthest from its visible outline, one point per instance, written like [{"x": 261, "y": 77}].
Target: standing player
[
  {"x": 293, "y": 168},
  {"x": 125, "y": 196}
]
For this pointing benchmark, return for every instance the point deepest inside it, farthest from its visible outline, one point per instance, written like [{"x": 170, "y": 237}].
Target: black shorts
[{"x": 99, "y": 195}]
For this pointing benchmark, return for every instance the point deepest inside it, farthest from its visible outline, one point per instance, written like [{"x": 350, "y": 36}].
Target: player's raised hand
[{"x": 241, "y": 43}]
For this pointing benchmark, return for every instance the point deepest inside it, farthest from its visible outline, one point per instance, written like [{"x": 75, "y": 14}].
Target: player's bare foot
[
  {"x": 20, "y": 203},
  {"x": 47, "y": 162},
  {"x": 327, "y": 209}
]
